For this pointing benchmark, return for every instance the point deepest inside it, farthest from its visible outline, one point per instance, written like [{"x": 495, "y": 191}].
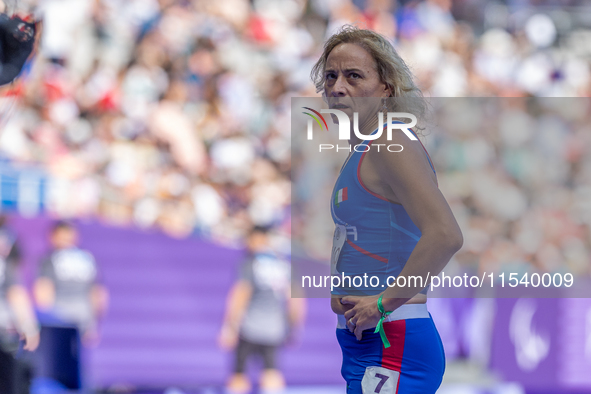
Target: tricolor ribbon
[{"x": 380, "y": 326}]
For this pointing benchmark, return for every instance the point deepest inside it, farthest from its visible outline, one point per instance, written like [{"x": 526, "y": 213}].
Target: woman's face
[{"x": 351, "y": 72}]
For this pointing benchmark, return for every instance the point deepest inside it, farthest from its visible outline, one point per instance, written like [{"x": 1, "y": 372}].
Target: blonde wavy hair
[{"x": 391, "y": 69}]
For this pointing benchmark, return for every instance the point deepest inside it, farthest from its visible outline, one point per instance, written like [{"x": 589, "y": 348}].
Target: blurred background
[{"x": 160, "y": 130}]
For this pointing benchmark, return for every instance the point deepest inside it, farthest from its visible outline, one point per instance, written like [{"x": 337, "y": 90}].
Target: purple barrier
[
  {"x": 167, "y": 301},
  {"x": 544, "y": 344}
]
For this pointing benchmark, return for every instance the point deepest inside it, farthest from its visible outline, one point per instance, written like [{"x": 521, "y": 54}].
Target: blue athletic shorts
[{"x": 413, "y": 364}]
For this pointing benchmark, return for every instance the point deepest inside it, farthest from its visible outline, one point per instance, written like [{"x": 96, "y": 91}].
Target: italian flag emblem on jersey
[{"x": 340, "y": 196}]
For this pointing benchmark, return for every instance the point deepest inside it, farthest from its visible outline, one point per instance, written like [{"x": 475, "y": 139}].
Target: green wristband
[{"x": 380, "y": 326}]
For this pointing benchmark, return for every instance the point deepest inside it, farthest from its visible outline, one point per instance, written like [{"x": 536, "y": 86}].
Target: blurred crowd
[
  {"x": 175, "y": 114},
  {"x": 517, "y": 173}
]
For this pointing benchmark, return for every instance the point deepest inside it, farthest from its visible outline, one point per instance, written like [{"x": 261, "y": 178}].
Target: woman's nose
[{"x": 339, "y": 88}]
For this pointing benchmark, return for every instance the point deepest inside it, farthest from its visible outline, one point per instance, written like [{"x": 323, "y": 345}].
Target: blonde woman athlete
[{"x": 403, "y": 224}]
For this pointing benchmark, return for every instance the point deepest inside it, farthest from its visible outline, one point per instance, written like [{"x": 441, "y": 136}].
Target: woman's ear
[{"x": 387, "y": 91}]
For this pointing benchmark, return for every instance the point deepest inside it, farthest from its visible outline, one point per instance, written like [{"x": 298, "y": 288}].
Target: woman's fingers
[
  {"x": 357, "y": 317},
  {"x": 358, "y": 333},
  {"x": 350, "y": 313},
  {"x": 351, "y": 300},
  {"x": 350, "y": 325},
  {"x": 351, "y": 319}
]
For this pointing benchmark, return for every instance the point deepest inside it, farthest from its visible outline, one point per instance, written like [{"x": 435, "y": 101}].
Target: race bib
[
  {"x": 379, "y": 380},
  {"x": 338, "y": 240}
]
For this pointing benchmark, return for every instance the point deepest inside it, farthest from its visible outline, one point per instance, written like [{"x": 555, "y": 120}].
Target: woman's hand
[{"x": 363, "y": 315}]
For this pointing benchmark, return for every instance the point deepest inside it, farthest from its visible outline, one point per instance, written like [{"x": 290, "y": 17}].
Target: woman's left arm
[{"x": 410, "y": 179}]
